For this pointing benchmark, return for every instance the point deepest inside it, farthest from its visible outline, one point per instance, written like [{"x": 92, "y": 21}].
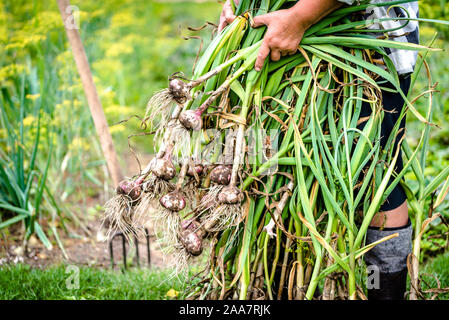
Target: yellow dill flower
[
  {"x": 56, "y": 121},
  {"x": 97, "y": 13},
  {"x": 117, "y": 110},
  {"x": 77, "y": 103},
  {"x": 28, "y": 121},
  {"x": 66, "y": 103},
  {"x": 122, "y": 19},
  {"x": 117, "y": 128},
  {"x": 33, "y": 97},
  {"x": 11, "y": 70},
  {"x": 59, "y": 107},
  {"x": 79, "y": 143},
  {"x": 117, "y": 49}
]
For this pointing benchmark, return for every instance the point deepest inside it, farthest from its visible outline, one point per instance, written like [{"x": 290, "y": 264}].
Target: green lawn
[{"x": 25, "y": 283}]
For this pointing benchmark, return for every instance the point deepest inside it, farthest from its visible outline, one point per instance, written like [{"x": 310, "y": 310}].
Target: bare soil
[
  {"x": 83, "y": 246},
  {"x": 86, "y": 250}
]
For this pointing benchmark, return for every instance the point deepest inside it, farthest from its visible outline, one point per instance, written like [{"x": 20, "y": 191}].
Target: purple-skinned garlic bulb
[
  {"x": 221, "y": 174},
  {"x": 196, "y": 168},
  {"x": 130, "y": 189},
  {"x": 179, "y": 90},
  {"x": 192, "y": 242},
  {"x": 191, "y": 119},
  {"x": 173, "y": 201},
  {"x": 230, "y": 195}
]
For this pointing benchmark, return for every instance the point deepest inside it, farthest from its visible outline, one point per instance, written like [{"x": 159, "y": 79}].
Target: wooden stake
[{"x": 90, "y": 90}]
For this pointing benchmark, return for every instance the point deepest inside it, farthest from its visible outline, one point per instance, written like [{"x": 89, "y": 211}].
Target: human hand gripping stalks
[{"x": 315, "y": 203}]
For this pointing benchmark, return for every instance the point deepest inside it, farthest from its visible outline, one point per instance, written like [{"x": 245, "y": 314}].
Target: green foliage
[
  {"x": 435, "y": 239},
  {"x": 21, "y": 282},
  {"x": 131, "y": 46},
  {"x": 436, "y": 9},
  {"x": 21, "y": 181}
]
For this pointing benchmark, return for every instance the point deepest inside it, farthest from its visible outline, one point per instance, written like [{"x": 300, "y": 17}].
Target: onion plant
[{"x": 24, "y": 194}]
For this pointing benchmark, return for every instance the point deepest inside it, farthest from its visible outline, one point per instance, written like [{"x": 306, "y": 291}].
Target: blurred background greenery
[
  {"x": 52, "y": 170},
  {"x": 52, "y": 175}
]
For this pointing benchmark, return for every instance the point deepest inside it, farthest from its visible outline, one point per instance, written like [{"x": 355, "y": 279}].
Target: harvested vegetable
[{"x": 280, "y": 232}]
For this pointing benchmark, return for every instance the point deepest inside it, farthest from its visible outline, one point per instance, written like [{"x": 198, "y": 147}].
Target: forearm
[{"x": 310, "y": 12}]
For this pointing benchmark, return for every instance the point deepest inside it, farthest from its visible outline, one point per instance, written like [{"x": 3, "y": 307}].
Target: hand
[
  {"x": 227, "y": 14},
  {"x": 286, "y": 27},
  {"x": 284, "y": 33}
]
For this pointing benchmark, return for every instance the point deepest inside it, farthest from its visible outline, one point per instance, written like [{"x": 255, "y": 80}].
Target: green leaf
[
  {"x": 433, "y": 185},
  {"x": 13, "y": 220},
  {"x": 40, "y": 233}
]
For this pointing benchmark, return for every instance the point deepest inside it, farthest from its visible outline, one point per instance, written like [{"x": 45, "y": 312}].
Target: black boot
[
  {"x": 388, "y": 263},
  {"x": 392, "y": 286}
]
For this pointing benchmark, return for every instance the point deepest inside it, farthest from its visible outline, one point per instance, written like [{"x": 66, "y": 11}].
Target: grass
[
  {"x": 437, "y": 267},
  {"x": 21, "y": 282}
]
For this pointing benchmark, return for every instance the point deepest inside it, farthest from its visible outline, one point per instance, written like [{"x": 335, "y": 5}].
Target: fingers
[
  {"x": 224, "y": 21},
  {"x": 264, "y": 51},
  {"x": 285, "y": 53},
  {"x": 222, "y": 24},
  {"x": 262, "y": 20},
  {"x": 226, "y": 17},
  {"x": 229, "y": 16},
  {"x": 275, "y": 55}
]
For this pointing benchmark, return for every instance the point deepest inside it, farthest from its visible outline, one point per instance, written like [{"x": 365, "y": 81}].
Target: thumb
[{"x": 262, "y": 20}]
